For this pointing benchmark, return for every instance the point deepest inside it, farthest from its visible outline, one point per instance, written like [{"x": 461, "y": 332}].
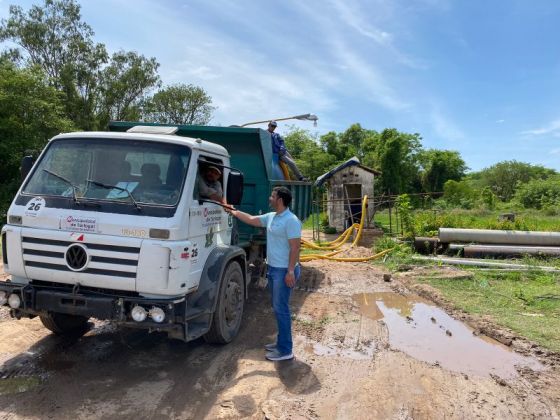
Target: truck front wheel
[
  {"x": 229, "y": 308},
  {"x": 64, "y": 324}
]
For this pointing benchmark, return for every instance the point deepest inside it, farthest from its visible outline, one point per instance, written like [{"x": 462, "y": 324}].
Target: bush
[
  {"x": 401, "y": 251},
  {"x": 405, "y": 213},
  {"x": 488, "y": 198},
  {"x": 539, "y": 193},
  {"x": 459, "y": 194},
  {"x": 328, "y": 229}
]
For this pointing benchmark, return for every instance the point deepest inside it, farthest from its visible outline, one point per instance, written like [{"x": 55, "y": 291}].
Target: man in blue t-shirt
[
  {"x": 283, "y": 236},
  {"x": 279, "y": 147}
]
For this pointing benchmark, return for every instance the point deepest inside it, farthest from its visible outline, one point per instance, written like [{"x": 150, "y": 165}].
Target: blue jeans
[{"x": 281, "y": 306}]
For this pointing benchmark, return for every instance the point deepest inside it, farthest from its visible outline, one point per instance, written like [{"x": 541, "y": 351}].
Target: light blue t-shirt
[{"x": 280, "y": 228}]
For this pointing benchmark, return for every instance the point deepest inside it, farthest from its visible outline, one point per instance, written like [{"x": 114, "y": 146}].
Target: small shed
[{"x": 346, "y": 185}]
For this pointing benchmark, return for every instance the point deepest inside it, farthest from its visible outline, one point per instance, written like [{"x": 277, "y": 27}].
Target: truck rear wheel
[
  {"x": 229, "y": 308},
  {"x": 64, "y": 324}
]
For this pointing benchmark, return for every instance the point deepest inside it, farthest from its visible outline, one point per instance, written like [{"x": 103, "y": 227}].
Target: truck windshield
[{"x": 86, "y": 169}]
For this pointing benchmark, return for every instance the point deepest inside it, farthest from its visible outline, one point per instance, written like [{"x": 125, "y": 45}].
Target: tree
[
  {"x": 504, "y": 178},
  {"x": 310, "y": 157},
  {"x": 355, "y": 141},
  {"x": 53, "y": 36},
  {"x": 439, "y": 166},
  {"x": 331, "y": 144},
  {"x": 459, "y": 193},
  {"x": 56, "y": 40},
  {"x": 95, "y": 87},
  {"x": 397, "y": 159},
  {"x": 179, "y": 104},
  {"x": 31, "y": 112},
  {"x": 124, "y": 82}
]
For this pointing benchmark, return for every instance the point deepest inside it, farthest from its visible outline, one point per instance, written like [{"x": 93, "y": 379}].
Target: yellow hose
[
  {"x": 285, "y": 170},
  {"x": 343, "y": 259},
  {"x": 340, "y": 241}
]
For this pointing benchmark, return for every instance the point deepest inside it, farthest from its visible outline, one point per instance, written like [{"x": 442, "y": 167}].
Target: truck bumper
[{"x": 40, "y": 300}]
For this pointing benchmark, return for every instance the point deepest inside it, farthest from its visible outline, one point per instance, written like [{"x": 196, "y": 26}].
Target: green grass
[
  {"x": 427, "y": 222},
  {"x": 308, "y": 224},
  {"x": 526, "y": 302}
]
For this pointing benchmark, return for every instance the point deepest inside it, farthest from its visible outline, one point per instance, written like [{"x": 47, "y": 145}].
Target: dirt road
[{"x": 364, "y": 348}]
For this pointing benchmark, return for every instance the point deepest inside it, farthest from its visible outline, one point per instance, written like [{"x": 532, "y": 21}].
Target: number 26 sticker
[{"x": 34, "y": 207}]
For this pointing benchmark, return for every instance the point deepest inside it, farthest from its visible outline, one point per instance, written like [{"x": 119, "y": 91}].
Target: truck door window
[{"x": 209, "y": 184}]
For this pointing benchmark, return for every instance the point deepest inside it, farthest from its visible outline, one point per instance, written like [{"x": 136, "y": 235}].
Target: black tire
[
  {"x": 64, "y": 324},
  {"x": 226, "y": 319}
]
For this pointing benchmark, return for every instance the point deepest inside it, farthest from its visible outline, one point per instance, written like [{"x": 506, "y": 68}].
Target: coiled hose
[{"x": 336, "y": 245}]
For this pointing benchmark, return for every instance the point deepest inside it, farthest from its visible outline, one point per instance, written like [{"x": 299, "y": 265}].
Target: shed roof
[{"x": 354, "y": 161}]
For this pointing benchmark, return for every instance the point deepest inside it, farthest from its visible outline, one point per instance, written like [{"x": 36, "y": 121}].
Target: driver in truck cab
[{"x": 209, "y": 185}]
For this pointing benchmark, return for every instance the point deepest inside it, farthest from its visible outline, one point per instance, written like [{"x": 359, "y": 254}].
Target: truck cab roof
[{"x": 193, "y": 143}]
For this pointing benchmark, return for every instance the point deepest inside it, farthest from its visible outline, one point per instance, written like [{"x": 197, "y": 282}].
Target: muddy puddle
[{"x": 427, "y": 333}]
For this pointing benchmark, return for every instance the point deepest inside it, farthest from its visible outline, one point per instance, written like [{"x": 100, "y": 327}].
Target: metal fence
[{"x": 385, "y": 211}]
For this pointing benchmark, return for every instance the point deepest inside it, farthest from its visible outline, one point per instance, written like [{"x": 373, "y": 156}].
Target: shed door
[{"x": 353, "y": 202}]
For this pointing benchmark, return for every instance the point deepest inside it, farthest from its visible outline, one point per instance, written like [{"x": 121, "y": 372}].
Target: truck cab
[{"x": 112, "y": 226}]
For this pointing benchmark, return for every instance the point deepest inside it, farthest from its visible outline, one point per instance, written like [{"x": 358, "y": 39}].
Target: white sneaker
[
  {"x": 270, "y": 346},
  {"x": 275, "y": 356}
]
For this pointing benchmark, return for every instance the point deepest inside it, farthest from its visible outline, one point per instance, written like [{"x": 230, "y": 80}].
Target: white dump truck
[{"x": 111, "y": 225}]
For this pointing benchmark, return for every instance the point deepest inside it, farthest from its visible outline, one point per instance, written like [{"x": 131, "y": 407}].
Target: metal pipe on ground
[
  {"x": 504, "y": 251},
  {"x": 484, "y": 263},
  {"x": 509, "y": 237},
  {"x": 426, "y": 244}
]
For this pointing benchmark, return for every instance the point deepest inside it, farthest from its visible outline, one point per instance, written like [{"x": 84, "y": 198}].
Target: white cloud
[
  {"x": 355, "y": 17},
  {"x": 368, "y": 80},
  {"x": 500, "y": 121},
  {"x": 554, "y": 152},
  {"x": 552, "y": 129},
  {"x": 245, "y": 82}
]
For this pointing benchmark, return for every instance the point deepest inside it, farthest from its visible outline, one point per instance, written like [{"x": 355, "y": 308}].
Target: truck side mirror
[
  {"x": 234, "y": 188},
  {"x": 26, "y": 165}
]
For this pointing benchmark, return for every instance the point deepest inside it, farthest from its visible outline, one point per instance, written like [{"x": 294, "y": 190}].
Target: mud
[
  {"x": 427, "y": 333},
  {"x": 364, "y": 348}
]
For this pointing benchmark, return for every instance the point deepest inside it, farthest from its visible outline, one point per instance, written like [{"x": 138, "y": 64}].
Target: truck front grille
[{"x": 106, "y": 260}]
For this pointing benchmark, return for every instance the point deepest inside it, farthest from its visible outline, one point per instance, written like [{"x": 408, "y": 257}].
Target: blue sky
[{"x": 479, "y": 77}]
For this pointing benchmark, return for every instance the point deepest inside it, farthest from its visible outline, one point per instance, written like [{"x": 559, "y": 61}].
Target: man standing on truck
[
  {"x": 283, "y": 235},
  {"x": 279, "y": 147}
]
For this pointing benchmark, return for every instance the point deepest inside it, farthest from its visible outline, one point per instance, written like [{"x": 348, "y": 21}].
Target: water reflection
[{"x": 427, "y": 333}]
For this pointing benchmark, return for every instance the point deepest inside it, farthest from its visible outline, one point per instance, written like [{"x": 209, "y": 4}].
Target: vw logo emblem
[{"x": 76, "y": 257}]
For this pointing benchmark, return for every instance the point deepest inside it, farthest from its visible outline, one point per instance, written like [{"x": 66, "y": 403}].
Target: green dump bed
[{"x": 251, "y": 152}]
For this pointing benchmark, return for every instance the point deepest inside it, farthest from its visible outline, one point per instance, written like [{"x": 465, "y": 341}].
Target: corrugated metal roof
[{"x": 354, "y": 161}]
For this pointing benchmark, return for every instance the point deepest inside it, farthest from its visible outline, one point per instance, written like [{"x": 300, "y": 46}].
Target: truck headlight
[
  {"x": 157, "y": 314},
  {"x": 138, "y": 313},
  {"x": 14, "y": 301},
  {"x": 3, "y": 297}
]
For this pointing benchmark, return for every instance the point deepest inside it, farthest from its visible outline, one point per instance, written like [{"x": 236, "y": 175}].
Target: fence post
[{"x": 390, "y": 219}]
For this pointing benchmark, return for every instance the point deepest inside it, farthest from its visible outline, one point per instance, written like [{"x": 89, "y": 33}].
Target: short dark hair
[{"x": 285, "y": 195}]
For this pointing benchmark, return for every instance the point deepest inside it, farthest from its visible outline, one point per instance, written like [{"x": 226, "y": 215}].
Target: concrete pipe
[
  {"x": 483, "y": 263},
  {"x": 426, "y": 245},
  {"x": 497, "y": 251},
  {"x": 507, "y": 237}
]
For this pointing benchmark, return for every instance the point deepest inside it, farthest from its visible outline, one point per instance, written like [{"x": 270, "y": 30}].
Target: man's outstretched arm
[{"x": 247, "y": 218}]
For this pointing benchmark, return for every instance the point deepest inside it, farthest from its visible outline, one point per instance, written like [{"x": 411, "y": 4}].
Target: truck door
[{"x": 208, "y": 222}]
